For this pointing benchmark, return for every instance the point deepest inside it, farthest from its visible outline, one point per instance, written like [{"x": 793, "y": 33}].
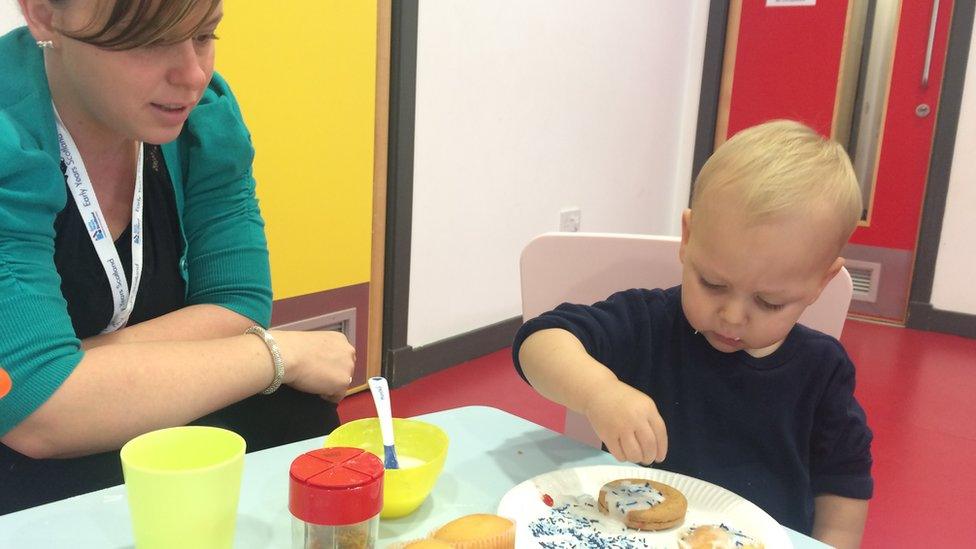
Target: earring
[
  {"x": 696, "y": 332},
  {"x": 45, "y": 44}
]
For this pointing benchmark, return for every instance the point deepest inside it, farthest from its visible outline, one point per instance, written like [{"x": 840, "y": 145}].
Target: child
[{"x": 714, "y": 378}]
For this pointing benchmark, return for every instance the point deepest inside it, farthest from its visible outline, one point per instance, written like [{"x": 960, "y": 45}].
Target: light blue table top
[{"x": 491, "y": 451}]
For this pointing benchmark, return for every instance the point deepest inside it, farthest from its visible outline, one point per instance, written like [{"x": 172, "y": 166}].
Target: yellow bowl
[{"x": 403, "y": 489}]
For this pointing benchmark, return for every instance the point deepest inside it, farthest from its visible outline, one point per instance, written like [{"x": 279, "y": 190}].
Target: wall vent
[
  {"x": 866, "y": 275},
  {"x": 343, "y": 321}
]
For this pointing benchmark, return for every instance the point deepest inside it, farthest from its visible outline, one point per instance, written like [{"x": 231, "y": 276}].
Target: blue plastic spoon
[{"x": 381, "y": 398}]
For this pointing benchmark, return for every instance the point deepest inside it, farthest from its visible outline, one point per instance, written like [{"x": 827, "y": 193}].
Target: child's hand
[{"x": 627, "y": 421}]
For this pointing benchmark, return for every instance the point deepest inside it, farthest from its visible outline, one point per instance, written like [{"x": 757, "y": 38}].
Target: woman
[{"x": 115, "y": 130}]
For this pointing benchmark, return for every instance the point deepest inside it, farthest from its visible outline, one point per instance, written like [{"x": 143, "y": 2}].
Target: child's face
[{"x": 745, "y": 285}]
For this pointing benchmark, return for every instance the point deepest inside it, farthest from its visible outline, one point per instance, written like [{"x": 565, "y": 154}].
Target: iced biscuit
[
  {"x": 711, "y": 536},
  {"x": 643, "y": 504}
]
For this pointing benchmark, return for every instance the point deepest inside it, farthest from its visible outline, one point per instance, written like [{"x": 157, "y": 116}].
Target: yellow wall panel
[{"x": 304, "y": 72}]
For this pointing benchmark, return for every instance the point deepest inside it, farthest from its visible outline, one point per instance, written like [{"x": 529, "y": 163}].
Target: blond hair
[{"x": 782, "y": 167}]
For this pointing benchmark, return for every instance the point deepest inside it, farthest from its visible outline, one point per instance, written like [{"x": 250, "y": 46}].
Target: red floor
[{"x": 919, "y": 390}]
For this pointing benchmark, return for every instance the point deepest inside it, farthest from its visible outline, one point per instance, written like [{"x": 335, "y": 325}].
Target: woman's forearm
[
  {"x": 119, "y": 391},
  {"x": 195, "y": 322}
]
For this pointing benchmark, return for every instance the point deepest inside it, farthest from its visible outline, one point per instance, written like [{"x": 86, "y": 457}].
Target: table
[{"x": 491, "y": 451}]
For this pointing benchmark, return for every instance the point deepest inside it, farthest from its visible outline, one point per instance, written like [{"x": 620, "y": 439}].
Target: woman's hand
[
  {"x": 318, "y": 362},
  {"x": 627, "y": 421}
]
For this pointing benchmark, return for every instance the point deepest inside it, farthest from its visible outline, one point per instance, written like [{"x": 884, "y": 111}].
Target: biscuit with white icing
[
  {"x": 711, "y": 536},
  {"x": 643, "y": 504}
]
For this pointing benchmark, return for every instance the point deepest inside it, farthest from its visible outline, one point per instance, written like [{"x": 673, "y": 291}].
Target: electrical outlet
[{"x": 569, "y": 220}]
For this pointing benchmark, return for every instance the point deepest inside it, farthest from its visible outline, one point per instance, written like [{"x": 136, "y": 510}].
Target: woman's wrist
[{"x": 277, "y": 362}]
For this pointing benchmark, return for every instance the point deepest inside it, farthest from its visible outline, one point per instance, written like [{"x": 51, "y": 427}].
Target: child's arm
[
  {"x": 839, "y": 521},
  {"x": 626, "y": 420}
]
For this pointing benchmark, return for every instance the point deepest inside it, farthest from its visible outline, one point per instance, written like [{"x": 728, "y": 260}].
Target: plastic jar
[{"x": 335, "y": 496}]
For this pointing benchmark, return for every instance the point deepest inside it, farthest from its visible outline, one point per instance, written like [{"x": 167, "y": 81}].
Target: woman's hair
[
  {"x": 783, "y": 167},
  {"x": 130, "y": 24}
]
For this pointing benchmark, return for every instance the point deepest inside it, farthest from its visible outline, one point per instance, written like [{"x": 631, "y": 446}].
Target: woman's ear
[{"x": 40, "y": 18}]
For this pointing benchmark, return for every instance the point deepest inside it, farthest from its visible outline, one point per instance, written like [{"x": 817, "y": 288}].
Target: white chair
[{"x": 587, "y": 267}]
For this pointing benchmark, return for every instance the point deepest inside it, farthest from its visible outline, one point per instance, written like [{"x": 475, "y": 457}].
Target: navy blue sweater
[{"x": 776, "y": 430}]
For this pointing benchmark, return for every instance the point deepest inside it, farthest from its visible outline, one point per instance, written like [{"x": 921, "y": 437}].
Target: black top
[
  {"x": 83, "y": 282},
  {"x": 264, "y": 421},
  {"x": 777, "y": 430}
]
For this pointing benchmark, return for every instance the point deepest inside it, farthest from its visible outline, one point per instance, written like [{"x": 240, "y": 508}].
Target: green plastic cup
[{"x": 183, "y": 485}]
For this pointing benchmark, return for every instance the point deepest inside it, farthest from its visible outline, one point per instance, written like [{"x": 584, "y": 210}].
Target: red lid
[{"x": 336, "y": 486}]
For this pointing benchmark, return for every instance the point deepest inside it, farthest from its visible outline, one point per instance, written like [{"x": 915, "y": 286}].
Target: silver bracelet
[{"x": 279, "y": 364}]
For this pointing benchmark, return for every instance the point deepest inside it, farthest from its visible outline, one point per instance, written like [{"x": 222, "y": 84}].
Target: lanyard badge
[{"x": 123, "y": 297}]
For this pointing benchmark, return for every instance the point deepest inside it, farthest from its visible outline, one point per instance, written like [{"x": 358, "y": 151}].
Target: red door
[
  {"x": 885, "y": 243},
  {"x": 808, "y": 62}
]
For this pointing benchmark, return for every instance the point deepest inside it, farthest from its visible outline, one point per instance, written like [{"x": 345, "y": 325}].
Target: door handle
[{"x": 928, "y": 48}]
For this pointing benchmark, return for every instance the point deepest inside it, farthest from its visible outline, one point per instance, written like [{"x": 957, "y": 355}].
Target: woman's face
[{"x": 145, "y": 93}]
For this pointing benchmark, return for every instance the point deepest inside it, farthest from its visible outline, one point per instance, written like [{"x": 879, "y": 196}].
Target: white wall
[
  {"x": 10, "y": 16},
  {"x": 952, "y": 288},
  {"x": 525, "y": 107}
]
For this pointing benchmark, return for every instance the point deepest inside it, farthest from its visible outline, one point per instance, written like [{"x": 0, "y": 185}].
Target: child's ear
[
  {"x": 828, "y": 276},
  {"x": 685, "y": 233}
]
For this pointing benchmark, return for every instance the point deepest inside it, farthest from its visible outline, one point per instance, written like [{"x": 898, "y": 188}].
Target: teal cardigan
[{"x": 225, "y": 259}]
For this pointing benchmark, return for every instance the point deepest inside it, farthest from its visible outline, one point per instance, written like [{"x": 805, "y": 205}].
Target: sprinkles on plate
[
  {"x": 631, "y": 496},
  {"x": 577, "y": 522}
]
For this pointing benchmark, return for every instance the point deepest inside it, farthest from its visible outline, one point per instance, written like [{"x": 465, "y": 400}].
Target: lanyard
[{"x": 81, "y": 189}]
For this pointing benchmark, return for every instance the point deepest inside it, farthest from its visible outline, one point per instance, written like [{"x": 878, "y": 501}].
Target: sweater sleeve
[
  {"x": 614, "y": 331},
  {"x": 227, "y": 254},
  {"x": 840, "y": 461},
  {"x": 38, "y": 347}
]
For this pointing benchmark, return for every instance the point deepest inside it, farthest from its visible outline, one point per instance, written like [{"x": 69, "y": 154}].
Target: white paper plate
[{"x": 707, "y": 504}]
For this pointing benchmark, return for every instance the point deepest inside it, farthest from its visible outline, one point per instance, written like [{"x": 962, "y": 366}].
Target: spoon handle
[{"x": 381, "y": 398}]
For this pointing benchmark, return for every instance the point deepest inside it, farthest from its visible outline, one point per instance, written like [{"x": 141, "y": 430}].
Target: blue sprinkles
[
  {"x": 567, "y": 526},
  {"x": 740, "y": 538},
  {"x": 629, "y": 496}
]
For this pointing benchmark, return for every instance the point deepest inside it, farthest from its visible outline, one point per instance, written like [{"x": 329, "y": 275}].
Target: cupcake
[
  {"x": 426, "y": 544},
  {"x": 479, "y": 531}
]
